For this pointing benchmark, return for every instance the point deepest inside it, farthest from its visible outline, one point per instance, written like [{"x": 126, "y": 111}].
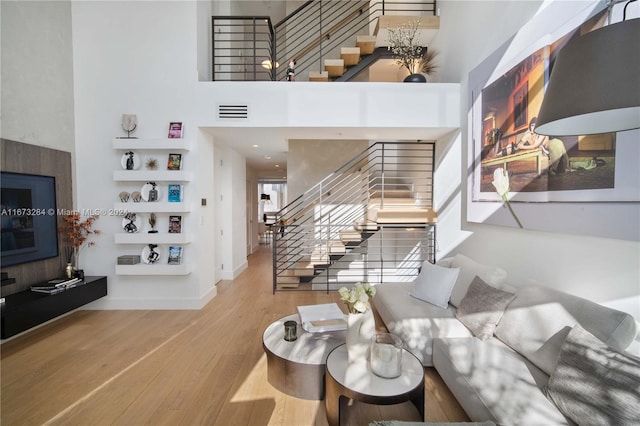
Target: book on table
[
  {"x": 322, "y": 318},
  {"x": 56, "y": 285}
]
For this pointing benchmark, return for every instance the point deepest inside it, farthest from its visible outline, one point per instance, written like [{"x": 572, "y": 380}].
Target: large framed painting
[{"x": 560, "y": 168}]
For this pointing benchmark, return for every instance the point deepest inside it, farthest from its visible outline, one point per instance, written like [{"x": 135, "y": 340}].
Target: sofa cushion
[
  {"x": 538, "y": 320},
  {"x": 469, "y": 269},
  {"x": 434, "y": 284},
  {"x": 414, "y": 321},
  {"x": 493, "y": 382},
  {"x": 594, "y": 384},
  {"x": 482, "y": 307}
]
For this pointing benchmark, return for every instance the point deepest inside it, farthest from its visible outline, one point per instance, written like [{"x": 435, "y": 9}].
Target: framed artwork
[
  {"x": 175, "y": 130},
  {"x": 174, "y": 162},
  {"x": 540, "y": 168}
]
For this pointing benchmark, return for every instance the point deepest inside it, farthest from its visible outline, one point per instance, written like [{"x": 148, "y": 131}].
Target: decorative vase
[
  {"x": 360, "y": 328},
  {"x": 415, "y": 78},
  {"x": 68, "y": 271}
]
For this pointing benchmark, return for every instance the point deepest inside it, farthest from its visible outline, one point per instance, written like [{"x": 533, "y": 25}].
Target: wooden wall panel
[{"x": 18, "y": 157}]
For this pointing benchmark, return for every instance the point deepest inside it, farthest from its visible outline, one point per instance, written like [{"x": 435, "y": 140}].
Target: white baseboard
[{"x": 110, "y": 303}]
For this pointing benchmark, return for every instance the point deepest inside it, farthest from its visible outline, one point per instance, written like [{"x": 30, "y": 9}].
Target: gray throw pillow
[
  {"x": 482, "y": 307},
  {"x": 594, "y": 384}
]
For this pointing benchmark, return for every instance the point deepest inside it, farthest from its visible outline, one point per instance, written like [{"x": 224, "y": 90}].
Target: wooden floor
[{"x": 202, "y": 367}]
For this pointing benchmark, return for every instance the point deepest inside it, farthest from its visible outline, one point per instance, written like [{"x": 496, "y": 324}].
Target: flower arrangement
[
  {"x": 501, "y": 183},
  {"x": 403, "y": 43},
  {"x": 357, "y": 298},
  {"x": 77, "y": 231}
]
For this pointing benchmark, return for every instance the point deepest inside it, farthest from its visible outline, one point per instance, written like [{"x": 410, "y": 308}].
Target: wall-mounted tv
[{"x": 29, "y": 225}]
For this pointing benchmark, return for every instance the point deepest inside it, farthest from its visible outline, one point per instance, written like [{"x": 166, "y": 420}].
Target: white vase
[{"x": 360, "y": 328}]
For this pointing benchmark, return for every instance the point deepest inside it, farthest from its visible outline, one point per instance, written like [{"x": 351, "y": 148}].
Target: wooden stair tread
[
  {"x": 318, "y": 76},
  {"x": 367, "y": 44},
  {"x": 350, "y": 55},
  {"x": 334, "y": 67}
]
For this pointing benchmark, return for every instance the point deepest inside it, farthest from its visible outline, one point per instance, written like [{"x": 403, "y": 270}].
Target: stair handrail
[{"x": 318, "y": 216}]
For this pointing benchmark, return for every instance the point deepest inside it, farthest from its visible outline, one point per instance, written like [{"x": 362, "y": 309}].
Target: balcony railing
[{"x": 250, "y": 48}]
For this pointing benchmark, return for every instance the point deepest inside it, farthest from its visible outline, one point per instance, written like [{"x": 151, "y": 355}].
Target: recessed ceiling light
[
  {"x": 277, "y": 165},
  {"x": 254, "y": 145},
  {"x": 266, "y": 157}
]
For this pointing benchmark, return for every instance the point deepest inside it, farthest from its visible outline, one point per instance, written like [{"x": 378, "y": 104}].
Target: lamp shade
[{"x": 594, "y": 85}]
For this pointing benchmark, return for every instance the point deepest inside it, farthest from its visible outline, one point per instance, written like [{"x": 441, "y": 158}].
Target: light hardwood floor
[{"x": 202, "y": 367}]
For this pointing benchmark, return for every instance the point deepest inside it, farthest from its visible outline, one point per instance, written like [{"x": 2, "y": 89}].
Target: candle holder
[{"x": 386, "y": 355}]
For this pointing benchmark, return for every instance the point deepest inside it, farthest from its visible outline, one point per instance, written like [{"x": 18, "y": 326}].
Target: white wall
[
  {"x": 37, "y": 73},
  {"x": 140, "y": 58},
  {"x": 310, "y": 161},
  {"x": 601, "y": 269}
]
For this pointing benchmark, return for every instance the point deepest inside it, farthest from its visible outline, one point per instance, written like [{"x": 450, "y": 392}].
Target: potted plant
[
  {"x": 404, "y": 43},
  {"x": 77, "y": 231}
]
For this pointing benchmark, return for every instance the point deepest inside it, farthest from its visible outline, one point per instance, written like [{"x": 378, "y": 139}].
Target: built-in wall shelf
[
  {"x": 158, "y": 238},
  {"x": 153, "y": 144},
  {"x": 156, "y": 269},
  {"x": 152, "y": 207},
  {"x": 151, "y": 175}
]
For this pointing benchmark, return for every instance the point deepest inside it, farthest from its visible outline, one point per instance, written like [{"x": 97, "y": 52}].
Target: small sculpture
[
  {"x": 153, "y": 255},
  {"x": 124, "y": 196},
  {"x": 136, "y": 196},
  {"x": 151, "y": 164},
  {"x": 131, "y": 226},
  {"x": 152, "y": 223},
  {"x": 129, "y": 165},
  {"x": 291, "y": 70},
  {"x": 129, "y": 124},
  {"x": 153, "y": 192}
]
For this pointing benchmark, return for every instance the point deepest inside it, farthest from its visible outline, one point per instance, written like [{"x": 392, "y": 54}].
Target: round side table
[
  {"x": 297, "y": 368},
  {"x": 345, "y": 381}
]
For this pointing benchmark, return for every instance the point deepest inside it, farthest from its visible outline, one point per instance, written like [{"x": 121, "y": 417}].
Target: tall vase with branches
[
  {"x": 76, "y": 232},
  {"x": 404, "y": 43}
]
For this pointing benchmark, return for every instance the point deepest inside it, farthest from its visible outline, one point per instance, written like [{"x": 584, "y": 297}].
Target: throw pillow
[
  {"x": 482, "y": 307},
  {"x": 594, "y": 384},
  {"x": 469, "y": 269},
  {"x": 434, "y": 284}
]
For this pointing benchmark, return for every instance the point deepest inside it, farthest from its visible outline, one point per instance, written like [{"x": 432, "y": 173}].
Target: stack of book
[
  {"x": 322, "y": 318},
  {"x": 56, "y": 286}
]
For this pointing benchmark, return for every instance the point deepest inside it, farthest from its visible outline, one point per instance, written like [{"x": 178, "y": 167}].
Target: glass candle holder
[
  {"x": 290, "y": 329},
  {"x": 386, "y": 355}
]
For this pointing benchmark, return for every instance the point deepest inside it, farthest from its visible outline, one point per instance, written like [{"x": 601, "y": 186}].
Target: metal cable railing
[
  {"x": 370, "y": 220},
  {"x": 250, "y": 48}
]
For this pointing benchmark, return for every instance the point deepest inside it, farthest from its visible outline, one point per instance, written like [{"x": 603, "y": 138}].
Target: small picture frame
[
  {"x": 174, "y": 162},
  {"x": 175, "y": 130}
]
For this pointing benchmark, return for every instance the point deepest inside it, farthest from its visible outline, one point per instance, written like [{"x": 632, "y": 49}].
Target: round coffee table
[
  {"x": 297, "y": 368},
  {"x": 345, "y": 381}
]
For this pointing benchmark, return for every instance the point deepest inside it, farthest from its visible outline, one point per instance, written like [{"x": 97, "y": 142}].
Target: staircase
[{"x": 371, "y": 220}]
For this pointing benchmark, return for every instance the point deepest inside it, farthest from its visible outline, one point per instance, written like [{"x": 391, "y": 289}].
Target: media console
[{"x": 24, "y": 310}]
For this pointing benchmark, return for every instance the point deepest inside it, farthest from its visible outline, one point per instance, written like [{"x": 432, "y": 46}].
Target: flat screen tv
[{"x": 29, "y": 225}]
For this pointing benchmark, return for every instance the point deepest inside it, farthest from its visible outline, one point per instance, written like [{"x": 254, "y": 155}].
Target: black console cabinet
[{"x": 26, "y": 309}]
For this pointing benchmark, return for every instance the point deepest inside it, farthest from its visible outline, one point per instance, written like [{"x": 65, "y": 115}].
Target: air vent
[{"x": 233, "y": 112}]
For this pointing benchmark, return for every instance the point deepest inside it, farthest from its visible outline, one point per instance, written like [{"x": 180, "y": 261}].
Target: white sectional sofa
[{"x": 523, "y": 361}]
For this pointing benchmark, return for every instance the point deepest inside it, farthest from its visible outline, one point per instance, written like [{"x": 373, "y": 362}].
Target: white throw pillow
[
  {"x": 434, "y": 284},
  {"x": 469, "y": 269}
]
